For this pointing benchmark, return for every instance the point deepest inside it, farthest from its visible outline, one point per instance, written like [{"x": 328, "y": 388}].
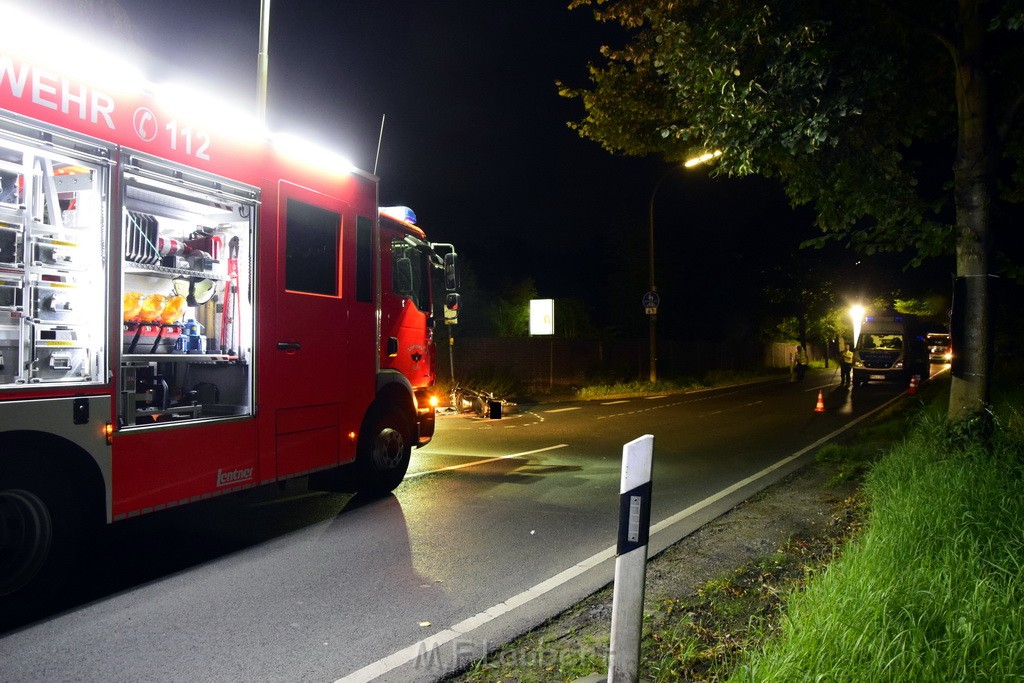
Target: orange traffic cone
[
  {"x": 912, "y": 389},
  {"x": 820, "y": 408}
]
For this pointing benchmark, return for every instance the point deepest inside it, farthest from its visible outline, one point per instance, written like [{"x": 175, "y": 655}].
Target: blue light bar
[{"x": 401, "y": 213}]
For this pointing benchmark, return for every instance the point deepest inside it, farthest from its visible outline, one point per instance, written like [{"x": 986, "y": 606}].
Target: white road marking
[
  {"x": 651, "y": 398},
  {"x": 466, "y": 626},
  {"x": 562, "y": 410},
  {"x": 614, "y": 403},
  {"x": 486, "y": 460}
]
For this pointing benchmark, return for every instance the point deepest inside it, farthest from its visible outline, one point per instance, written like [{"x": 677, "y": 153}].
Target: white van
[{"x": 889, "y": 349}]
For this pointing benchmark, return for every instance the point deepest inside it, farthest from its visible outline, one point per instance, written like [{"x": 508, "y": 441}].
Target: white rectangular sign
[{"x": 542, "y": 317}]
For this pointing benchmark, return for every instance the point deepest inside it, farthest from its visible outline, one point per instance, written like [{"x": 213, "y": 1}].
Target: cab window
[{"x": 311, "y": 252}]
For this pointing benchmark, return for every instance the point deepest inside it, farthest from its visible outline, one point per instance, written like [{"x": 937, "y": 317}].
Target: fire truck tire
[
  {"x": 384, "y": 452},
  {"x": 40, "y": 530}
]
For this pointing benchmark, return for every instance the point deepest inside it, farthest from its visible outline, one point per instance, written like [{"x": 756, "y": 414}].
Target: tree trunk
[{"x": 973, "y": 178}]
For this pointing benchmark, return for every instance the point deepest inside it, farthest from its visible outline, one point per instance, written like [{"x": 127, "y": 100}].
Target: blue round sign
[{"x": 651, "y": 300}]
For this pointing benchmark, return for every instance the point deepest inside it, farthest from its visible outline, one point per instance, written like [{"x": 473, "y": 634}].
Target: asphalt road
[{"x": 499, "y": 525}]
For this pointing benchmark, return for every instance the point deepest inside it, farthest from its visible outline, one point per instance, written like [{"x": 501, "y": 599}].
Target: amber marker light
[
  {"x": 434, "y": 401},
  {"x": 108, "y": 433}
]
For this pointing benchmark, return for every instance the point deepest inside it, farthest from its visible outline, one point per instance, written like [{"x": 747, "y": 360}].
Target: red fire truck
[{"x": 189, "y": 308}]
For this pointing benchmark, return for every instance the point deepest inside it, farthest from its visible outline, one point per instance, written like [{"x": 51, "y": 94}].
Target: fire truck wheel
[
  {"x": 39, "y": 530},
  {"x": 384, "y": 453}
]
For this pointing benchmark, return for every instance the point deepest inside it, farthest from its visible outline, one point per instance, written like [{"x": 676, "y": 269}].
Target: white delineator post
[{"x": 631, "y": 560}]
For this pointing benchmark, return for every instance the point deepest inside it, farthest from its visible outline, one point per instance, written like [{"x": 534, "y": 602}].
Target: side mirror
[
  {"x": 451, "y": 273},
  {"x": 403, "y": 276},
  {"x": 451, "y": 308}
]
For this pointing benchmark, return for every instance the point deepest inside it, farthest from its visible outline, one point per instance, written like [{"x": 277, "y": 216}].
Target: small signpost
[
  {"x": 650, "y": 302},
  {"x": 542, "y": 323}
]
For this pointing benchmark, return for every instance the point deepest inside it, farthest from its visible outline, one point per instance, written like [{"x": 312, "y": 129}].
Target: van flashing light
[{"x": 401, "y": 213}]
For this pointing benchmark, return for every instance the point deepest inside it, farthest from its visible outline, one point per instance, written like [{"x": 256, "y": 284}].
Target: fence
[{"x": 546, "y": 362}]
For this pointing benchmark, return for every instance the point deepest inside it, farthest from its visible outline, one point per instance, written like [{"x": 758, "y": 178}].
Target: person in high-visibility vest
[{"x": 846, "y": 363}]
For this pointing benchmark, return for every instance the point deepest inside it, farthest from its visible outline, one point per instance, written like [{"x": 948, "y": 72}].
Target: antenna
[{"x": 379, "y": 139}]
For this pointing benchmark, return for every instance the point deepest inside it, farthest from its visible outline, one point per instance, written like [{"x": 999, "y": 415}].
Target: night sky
[{"x": 475, "y": 140}]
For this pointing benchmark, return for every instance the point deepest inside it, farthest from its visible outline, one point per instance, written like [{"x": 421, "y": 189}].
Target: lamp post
[
  {"x": 262, "y": 61},
  {"x": 652, "y": 317},
  {"x": 651, "y": 286}
]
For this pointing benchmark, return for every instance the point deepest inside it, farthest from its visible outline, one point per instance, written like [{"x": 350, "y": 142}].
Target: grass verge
[
  {"x": 702, "y": 637},
  {"x": 716, "y": 378},
  {"x": 934, "y": 587}
]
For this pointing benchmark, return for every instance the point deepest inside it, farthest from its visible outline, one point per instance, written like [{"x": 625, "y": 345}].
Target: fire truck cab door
[
  {"x": 311, "y": 340},
  {"x": 405, "y": 307}
]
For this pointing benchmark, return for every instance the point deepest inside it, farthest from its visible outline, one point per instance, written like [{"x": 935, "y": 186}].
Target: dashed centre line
[{"x": 668, "y": 405}]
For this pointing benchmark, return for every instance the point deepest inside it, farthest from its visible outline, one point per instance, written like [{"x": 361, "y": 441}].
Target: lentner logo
[{"x": 234, "y": 476}]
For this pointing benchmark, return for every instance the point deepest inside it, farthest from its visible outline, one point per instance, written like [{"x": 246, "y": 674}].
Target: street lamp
[
  {"x": 857, "y": 317},
  {"x": 652, "y": 288},
  {"x": 703, "y": 158}
]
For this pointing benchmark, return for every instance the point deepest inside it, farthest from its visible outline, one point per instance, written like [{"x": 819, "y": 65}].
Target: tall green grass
[{"x": 934, "y": 588}]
